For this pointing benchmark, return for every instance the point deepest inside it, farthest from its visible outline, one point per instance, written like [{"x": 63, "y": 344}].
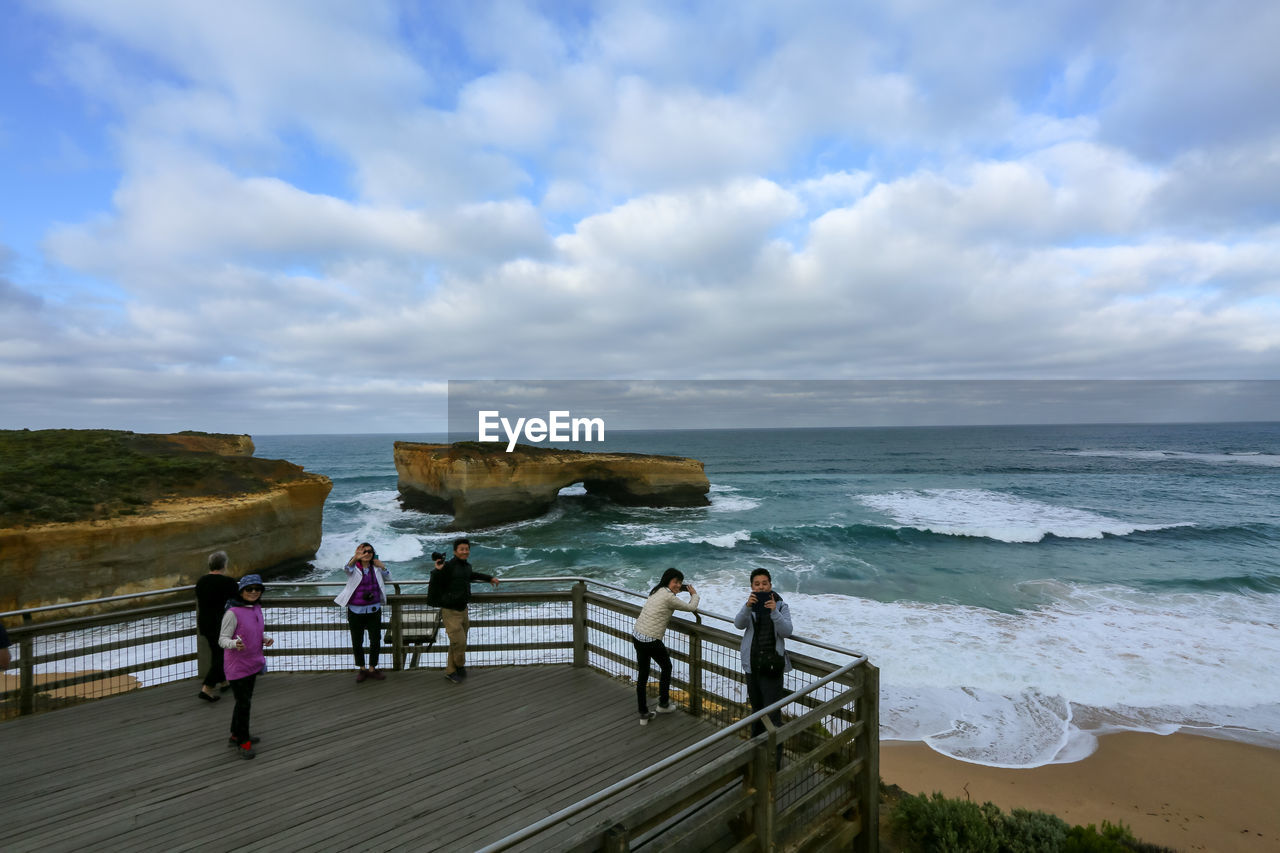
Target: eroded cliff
[
  {"x": 177, "y": 498},
  {"x": 482, "y": 485}
]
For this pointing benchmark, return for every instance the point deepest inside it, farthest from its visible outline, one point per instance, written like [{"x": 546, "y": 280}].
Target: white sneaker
[
  {"x": 645, "y": 718},
  {"x": 667, "y": 709}
]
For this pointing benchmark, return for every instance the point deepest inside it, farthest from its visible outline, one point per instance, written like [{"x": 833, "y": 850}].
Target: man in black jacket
[
  {"x": 452, "y": 582},
  {"x": 213, "y": 590}
]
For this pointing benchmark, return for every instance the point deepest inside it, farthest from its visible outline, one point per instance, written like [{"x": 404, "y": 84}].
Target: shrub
[
  {"x": 948, "y": 826},
  {"x": 76, "y": 475},
  {"x": 1024, "y": 831},
  {"x": 937, "y": 824},
  {"x": 1114, "y": 838}
]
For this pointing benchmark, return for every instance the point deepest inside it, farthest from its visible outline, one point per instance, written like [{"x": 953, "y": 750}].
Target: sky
[{"x": 307, "y": 216}]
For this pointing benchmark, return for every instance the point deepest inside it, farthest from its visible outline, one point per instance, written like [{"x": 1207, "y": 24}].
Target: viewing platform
[{"x": 539, "y": 749}]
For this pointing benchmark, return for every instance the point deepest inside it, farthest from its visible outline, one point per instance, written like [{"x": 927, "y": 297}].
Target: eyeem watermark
[{"x": 559, "y": 426}]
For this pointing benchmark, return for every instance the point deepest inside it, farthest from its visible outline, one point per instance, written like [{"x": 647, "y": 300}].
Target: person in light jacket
[
  {"x": 363, "y": 597},
  {"x": 767, "y": 621},
  {"x": 646, "y": 636}
]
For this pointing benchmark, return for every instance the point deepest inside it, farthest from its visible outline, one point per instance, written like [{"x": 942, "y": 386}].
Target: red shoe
[
  {"x": 377, "y": 675},
  {"x": 362, "y": 675}
]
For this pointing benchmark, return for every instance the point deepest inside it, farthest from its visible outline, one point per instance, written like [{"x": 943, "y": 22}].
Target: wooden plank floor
[{"x": 412, "y": 762}]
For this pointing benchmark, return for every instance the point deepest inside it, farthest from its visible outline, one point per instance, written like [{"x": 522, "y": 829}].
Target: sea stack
[{"x": 482, "y": 484}]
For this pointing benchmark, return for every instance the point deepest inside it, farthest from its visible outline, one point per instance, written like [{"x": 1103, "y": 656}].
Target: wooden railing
[{"x": 810, "y": 783}]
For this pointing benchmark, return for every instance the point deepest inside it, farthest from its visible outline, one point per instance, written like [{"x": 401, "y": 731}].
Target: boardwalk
[{"x": 409, "y": 763}]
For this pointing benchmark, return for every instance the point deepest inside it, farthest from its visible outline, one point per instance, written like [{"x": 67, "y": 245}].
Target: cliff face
[
  {"x": 483, "y": 485},
  {"x": 168, "y": 546}
]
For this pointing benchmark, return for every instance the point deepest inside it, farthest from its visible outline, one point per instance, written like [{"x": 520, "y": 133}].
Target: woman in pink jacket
[{"x": 243, "y": 641}]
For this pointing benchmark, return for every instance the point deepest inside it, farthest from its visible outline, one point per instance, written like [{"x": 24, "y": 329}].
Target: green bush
[
  {"x": 944, "y": 825},
  {"x": 75, "y": 475},
  {"x": 937, "y": 824},
  {"x": 1025, "y": 831},
  {"x": 1114, "y": 838}
]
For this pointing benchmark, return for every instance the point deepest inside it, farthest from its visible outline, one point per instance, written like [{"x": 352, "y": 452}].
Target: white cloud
[{"x": 318, "y": 198}]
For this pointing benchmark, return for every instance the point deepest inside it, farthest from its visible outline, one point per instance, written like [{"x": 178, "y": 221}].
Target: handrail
[
  {"x": 93, "y": 601},
  {"x": 653, "y": 769},
  {"x": 819, "y": 644}
]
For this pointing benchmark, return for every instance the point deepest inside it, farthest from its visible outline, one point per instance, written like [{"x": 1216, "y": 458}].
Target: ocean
[{"x": 1023, "y": 589}]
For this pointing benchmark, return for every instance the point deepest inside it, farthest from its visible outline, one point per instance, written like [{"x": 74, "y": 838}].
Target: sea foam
[
  {"x": 1252, "y": 457},
  {"x": 1034, "y": 687},
  {"x": 730, "y": 499},
  {"x": 994, "y": 515},
  {"x": 378, "y": 509}
]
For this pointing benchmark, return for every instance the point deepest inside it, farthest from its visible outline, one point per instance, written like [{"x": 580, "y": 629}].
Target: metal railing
[{"x": 810, "y": 783}]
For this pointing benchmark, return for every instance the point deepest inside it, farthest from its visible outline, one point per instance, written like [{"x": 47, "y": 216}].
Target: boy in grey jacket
[{"x": 767, "y": 621}]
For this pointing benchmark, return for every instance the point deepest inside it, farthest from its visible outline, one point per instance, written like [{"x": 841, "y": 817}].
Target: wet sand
[{"x": 1183, "y": 791}]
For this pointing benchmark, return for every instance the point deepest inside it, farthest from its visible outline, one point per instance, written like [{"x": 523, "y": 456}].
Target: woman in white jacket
[
  {"x": 363, "y": 597},
  {"x": 647, "y": 638}
]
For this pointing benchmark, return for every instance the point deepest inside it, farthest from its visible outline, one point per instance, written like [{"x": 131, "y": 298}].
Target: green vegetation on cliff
[
  {"x": 922, "y": 824},
  {"x": 60, "y": 475}
]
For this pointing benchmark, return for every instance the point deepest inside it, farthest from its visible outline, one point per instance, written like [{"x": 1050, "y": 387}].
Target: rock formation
[
  {"x": 482, "y": 484},
  {"x": 272, "y": 523}
]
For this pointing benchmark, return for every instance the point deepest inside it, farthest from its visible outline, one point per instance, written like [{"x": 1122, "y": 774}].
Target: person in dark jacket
[
  {"x": 213, "y": 591},
  {"x": 451, "y": 590}
]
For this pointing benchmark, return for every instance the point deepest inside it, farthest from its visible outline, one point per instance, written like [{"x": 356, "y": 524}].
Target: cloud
[
  {"x": 197, "y": 212},
  {"x": 1192, "y": 76},
  {"x": 320, "y": 203}
]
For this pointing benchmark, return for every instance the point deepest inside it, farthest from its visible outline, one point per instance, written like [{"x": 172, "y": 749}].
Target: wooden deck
[{"x": 412, "y": 762}]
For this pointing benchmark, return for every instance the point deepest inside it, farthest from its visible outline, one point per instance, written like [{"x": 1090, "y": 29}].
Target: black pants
[
  {"x": 215, "y": 675},
  {"x": 242, "y": 689},
  {"x": 360, "y": 623},
  {"x": 763, "y": 691},
  {"x": 656, "y": 652}
]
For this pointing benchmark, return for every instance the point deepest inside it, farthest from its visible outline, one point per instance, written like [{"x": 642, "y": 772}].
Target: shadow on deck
[{"x": 412, "y": 762}]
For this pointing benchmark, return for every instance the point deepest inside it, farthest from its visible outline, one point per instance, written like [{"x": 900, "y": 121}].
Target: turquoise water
[{"x": 1021, "y": 588}]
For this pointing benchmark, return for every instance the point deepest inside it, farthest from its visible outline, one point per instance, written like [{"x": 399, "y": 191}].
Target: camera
[
  {"x": 437, "y": 557},
  {"x": 371, "y": 596}
]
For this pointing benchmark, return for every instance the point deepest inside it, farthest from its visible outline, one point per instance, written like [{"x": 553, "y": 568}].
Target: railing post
[
  {"x": 27, "y": 670},
  {"x": 764, "y": 770},
  {"x": 397, "y": 631},
  {"x": 579, "y": 624},
  {"x": 616, "y": 840},
  {"x": 695, "y": 668},
  {"x": 868, "y": 786}
]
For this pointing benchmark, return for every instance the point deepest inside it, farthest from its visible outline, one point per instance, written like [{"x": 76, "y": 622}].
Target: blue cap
[{"x": 250, "y": 580}]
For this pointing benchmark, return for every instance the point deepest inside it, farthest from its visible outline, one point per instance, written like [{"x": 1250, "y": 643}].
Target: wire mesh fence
[{"x": 67, "y": 661}]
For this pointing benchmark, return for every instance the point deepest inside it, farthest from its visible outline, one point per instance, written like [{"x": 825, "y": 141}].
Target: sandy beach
[{"x": 1183, "y": 791}]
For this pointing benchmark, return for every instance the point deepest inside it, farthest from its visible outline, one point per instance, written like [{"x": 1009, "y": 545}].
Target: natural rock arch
[{"x": 482, "y": 484}]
